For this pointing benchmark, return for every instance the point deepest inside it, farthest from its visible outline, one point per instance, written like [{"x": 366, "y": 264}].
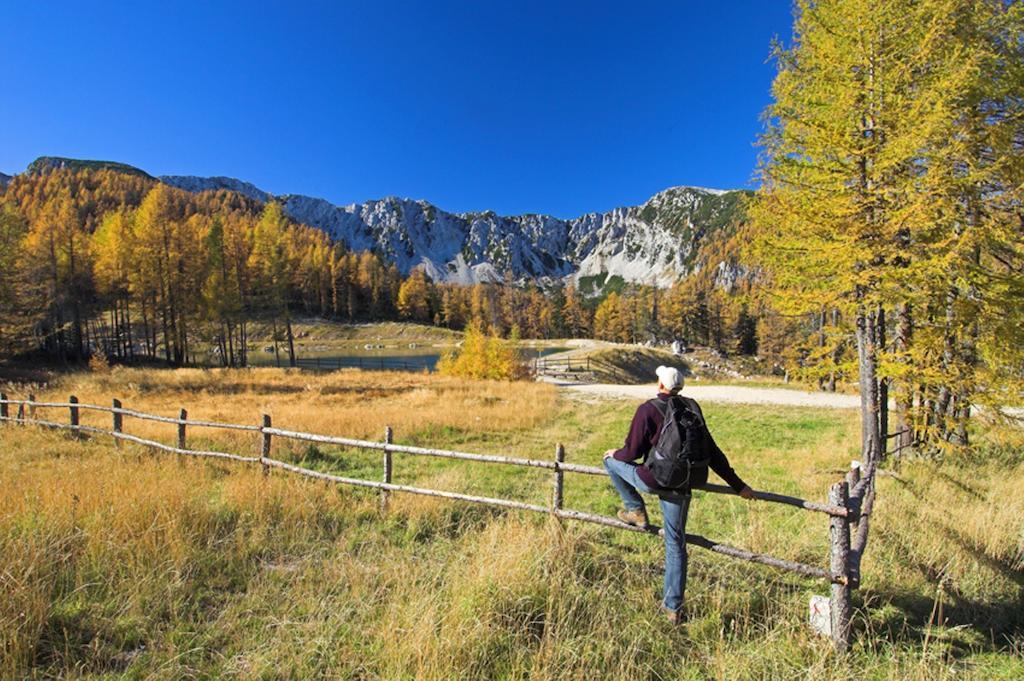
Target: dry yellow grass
[
  {"x": 349, "y": 403},
  {"x": 121, "y": 562}
]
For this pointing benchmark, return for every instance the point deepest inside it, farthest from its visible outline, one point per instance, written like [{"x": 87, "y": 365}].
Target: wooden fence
[
  {"x": 573, "y": 367},
  {"x": 849, "y": 504}
]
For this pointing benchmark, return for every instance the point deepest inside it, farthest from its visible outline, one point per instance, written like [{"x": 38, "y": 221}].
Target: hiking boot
[
  {"x": 675, "y": 617},
  {"x": 637, "y": 517}
]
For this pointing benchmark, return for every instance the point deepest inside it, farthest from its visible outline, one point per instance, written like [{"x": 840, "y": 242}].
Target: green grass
[
  {"x": 597, "y": 287},
  {"x": 314, "y": 331},
  {"x": 123, "y": 563}
]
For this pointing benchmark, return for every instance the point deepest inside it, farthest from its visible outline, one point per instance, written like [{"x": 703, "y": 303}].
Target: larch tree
[
  {"x": 414, "y": 297},
  {"x": 270, "y": 267},
  {"x": 222, "y": 299},
  {"x": 862, "y": 208},
  {"x": 112, "y": 271},
  {"x": 17, "y": 319},
  {"x": 577, "y": 322},
  {"x": 57, "y": 254}
]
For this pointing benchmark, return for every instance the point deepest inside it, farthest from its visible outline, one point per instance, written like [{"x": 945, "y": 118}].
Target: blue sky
[{"x": 544, "y": 107}]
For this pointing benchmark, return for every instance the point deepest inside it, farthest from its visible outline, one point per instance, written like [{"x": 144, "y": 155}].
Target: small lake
[{"x": 373, "y": 359}]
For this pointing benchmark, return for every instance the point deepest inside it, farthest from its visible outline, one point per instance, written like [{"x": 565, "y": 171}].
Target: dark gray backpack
[{"x": 683, "y": 445}]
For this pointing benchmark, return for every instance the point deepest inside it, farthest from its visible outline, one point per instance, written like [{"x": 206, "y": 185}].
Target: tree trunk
[
  {"x": 167, "y": 334},
  {"x": 126, "y": 318},
  {"x": 943, "y": 403},
  {"x": 291, "y": 338},
  {"x": 867, "y": 363},
  {"x": 883, "y": 384},
  {"x": 821, "y": 344},
  {"x": 152, "y": 328},
  {"x": 146, "y": 333},
  {"x": 904, "y": 393},
  {"x": 277, "y": 354},
  {"x": 837, "y": 354},
  {"x": 243, "y": 344}
]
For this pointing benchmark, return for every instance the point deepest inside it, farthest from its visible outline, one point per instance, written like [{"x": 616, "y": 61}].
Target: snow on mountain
[{"x": 654, "y": 243}]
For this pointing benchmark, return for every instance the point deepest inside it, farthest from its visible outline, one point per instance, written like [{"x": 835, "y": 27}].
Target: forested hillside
[
  {"x": 101, "y": 258},
  {"x": 102, "y": 261}
]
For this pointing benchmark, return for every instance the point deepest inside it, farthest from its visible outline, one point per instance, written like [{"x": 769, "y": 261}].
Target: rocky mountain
[
  {"x": 655, "y": 243},
  {"x": 4, "y": 180},
  {"x": 202, "y": 184}
]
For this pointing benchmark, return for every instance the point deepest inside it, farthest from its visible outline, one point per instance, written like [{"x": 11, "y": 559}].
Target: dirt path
[{"x": 722, "y": 393}]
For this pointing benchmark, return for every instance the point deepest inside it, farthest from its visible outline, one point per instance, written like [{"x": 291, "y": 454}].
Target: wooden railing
[
  {"x": 569, "y": 366},
  {"x": 849, "y": 502}
]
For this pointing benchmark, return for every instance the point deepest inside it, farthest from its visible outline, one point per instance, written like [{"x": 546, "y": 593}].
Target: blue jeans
[{"x": 674, "y": 509}]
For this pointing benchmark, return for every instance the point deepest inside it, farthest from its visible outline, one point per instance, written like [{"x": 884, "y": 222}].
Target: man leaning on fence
[{"x": 630, "y": 479}]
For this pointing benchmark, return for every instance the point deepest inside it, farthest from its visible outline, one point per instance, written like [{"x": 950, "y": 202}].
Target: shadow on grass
[
  {"x": 32, "y": 373},
  {"x": 902, "y": 617},
  {"x": 965, "y": 624},
  {"x": 1003, "y": 567},
  {"x": 961, "y": 485}
]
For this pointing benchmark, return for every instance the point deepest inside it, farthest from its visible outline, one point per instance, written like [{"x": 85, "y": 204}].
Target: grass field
[
  {"x": 316, "y": 330},
  {"x": 126, "y": 563}
]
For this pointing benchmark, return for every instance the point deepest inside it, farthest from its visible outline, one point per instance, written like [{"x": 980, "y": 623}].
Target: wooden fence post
[
  {"x": 558, "y": 492},
  {"x": 75, "y": 416},
  {"x": 839, "y": 542},
  {"x": 118, "y": 421},
  {"x": 265, "y": 446},
  {"x": 4, "y": 411},
  {"x": 21, "y": 413},
  {"x": 31, "y": 407},
  {"x": 182, "y": 418},
  {"x": 852, "y": 478},
  {"x": 388, "y": 438}
]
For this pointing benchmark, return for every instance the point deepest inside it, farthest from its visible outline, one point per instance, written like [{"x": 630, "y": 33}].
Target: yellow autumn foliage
[{"x": 484, "y": 356}]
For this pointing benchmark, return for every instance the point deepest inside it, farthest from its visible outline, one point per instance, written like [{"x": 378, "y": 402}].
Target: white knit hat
[{"x": 670, "y": 377}]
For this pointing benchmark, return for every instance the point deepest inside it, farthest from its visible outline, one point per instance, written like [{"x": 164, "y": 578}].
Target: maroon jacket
[{"x": 643, "y": 436}]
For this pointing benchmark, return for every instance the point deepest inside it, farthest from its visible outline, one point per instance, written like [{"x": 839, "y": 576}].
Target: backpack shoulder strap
[
  {"x": 689, "y": 406},
  {"x": 661, "y": 406}
]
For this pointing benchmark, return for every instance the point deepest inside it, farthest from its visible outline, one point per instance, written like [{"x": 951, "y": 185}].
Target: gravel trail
[{"x": 722, "y": 393}]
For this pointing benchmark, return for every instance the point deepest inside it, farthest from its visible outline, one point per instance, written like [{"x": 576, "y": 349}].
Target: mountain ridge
[
  {"x": 653, "y": 243},
  {"x": 48, "y": 162},
  {"x": 657, "y": 242}
]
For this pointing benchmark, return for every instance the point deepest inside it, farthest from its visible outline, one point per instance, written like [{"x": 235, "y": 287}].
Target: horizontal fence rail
[
  {"x": 850, "y": 501},
  {"x": 425, "y": 451},
  {"x": 568, "y": 365}
]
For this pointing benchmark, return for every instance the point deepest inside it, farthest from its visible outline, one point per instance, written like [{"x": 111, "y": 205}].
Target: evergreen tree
[{"x": 745, "y": 332}]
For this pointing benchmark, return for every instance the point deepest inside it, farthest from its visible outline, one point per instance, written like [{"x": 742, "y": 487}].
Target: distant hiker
[{"x": 674, "y": 460}]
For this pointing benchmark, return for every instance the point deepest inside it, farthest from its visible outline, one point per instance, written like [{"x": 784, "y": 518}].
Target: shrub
[
  {"x": 98, "y": 363},
  {"x": 484, "y": 356}
]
